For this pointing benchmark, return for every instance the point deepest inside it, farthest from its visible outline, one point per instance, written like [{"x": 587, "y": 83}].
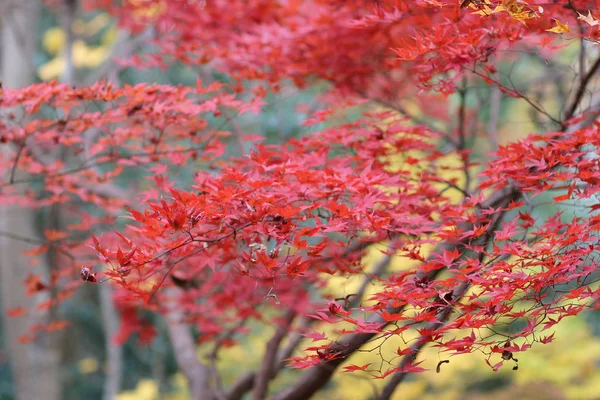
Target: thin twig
[
  {"x": 581, "y": 90},
  {"x": 492, "y": 126},
  {"x": 14, "y": 166},
  {"x": 462, "y": 111}
]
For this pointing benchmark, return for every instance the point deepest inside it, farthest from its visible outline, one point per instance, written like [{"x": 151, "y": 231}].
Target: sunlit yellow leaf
[
  {"x": 519, "y": 11},
  {"x": 559, "y": 28}
]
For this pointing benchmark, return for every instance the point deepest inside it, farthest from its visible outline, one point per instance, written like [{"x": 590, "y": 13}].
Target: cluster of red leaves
[
  {"x": 430, "y": 40},
  {"x": 278, "y": 216},
  {"x": 262, "y": 230}
]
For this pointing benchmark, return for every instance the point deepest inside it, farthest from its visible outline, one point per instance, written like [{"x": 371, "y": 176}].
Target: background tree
[{"x": 39, "y": 357}]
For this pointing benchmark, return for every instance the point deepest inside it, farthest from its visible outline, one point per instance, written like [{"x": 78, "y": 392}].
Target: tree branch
[
  {"x": 492, "y": 126},
  {"x": 269, "y": 362},
  {"x": 585, "y": 80}
]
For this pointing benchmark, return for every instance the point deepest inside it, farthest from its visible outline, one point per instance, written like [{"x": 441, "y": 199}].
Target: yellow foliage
[
  {"x": 88, "y": 365},
  {"x": 88, "y": 57},
  {"x": 91, "y": 27},
  {"x": 52, "y": 69},
  {"x": 146, "y": 389},
  {"x": 53, "y": 40},
  {"x": 560, "y": 27},
  {"x": 84, "y": 56},
  {"x": 109, "y": 37}
]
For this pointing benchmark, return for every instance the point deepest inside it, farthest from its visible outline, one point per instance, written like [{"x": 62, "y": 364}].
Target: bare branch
[
  {"x": 492, "y": 127},
  {"x": 269, "y": 361},
  {"x": 13, "y": 170},
  {"x": 585, "y": 80},
  {"x": 380, "y": 268},
  {"x": 533, "y": 104},
  {"x": 214, "y": 355},
  {"x": 462, "y": 127}
]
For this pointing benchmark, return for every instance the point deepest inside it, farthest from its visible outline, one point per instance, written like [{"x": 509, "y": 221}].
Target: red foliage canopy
[{"x": 262, "y": 231}]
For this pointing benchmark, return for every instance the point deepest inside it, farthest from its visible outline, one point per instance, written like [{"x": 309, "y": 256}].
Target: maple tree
[{"x": 215, "y": 240}]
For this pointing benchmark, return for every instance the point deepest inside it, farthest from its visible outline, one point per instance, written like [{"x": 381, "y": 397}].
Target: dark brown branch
[
  {"x": 462, "y": 111},
  {"x": 214, "y": 355},
  {"x": 581, "y": 89},
  {"x": 246, "y": 382},
  {"x": 495, "y": 105},
  {"x": 269, "y": 361},
  {"x": 380, "y": 269},
  {"x": 536, "y": 106},
  {"x": 462, "y": 116},
  {"x": 399, "y": 108},
  {"x": 13, "y": 170}
]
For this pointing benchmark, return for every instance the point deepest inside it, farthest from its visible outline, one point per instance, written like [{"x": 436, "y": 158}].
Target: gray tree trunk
[{"x": 35, "y": 365}]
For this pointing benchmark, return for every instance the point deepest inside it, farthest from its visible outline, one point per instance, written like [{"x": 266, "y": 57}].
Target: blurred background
[{"x": 61, "y": 41}]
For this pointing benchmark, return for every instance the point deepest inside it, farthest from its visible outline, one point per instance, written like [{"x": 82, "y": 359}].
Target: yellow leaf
[
  {"x": 518, "y": 11},
  {"x": 559, "y": 28},
  {"x": 52, "y": 69},
  {"x": 88, "y": 365},
  {"x": 484, "y": 12},
  {"x": 54, "y": 40},
  {"x": 481, "y": 6},
  {"x": 146, "y": 390},
  {"x": 88, "y": 57}
]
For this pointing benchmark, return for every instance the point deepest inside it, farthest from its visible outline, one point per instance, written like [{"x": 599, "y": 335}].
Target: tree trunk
[{"x": 35, "y": 365}]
